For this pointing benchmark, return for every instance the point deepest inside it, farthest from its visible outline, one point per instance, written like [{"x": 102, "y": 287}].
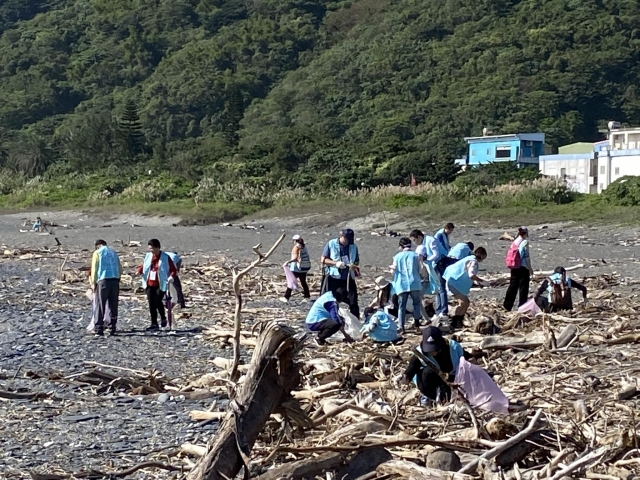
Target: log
[
  {"x": 567, "y": 335},
  {"x": 407, "y": 469},
  {"x": 306, "y": 468},
  {"x": 199, "y": 415},
  {"x": 271, "y": 377},
  {"x": 498, "y": 342},
  {"x": 193, "y": 450}
]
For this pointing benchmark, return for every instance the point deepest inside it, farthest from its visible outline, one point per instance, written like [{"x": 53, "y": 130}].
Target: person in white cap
[
  {"x": 299, "y": 264},
  {"x": 519, "y": 262},
  {"x": 385, "y": 297}
]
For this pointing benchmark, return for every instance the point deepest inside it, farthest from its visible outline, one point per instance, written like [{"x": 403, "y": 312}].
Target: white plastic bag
[
  {"x": 351, "y": 324},
  {"x": 530, "y": 307},
  {"x": 292, "y": 281},
  {"x": 479, "y": 389}
]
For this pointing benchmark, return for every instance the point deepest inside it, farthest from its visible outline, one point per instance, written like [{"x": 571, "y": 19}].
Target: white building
[{"x": 590, "y": 168}]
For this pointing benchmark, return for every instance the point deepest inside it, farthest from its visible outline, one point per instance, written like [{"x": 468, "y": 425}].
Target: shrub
[{"x": 623, "y": 192}]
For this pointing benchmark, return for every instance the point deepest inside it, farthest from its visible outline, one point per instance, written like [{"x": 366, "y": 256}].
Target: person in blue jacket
[
  {"x": 324, "y": 316},
  {"x": 379, "y": 325},
  {"x": 340, "y": 259},
  {"x": 407, "y": 282},
  {"x": 460, "y": 277},
  {"x": 434, "y": 364},
  {"x": 460, "y": 250}
]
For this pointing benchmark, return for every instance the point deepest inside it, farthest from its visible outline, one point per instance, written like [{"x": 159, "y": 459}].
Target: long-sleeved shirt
[
  {"x": 443, "y": 239},
  {"x": 429, "y": 249},
  {"x": 568, "y": 302},
  {"x": 154, "y": 268}
]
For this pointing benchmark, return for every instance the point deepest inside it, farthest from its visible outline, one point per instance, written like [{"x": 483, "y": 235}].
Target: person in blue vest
[
  {"x": 434, "y": 364},
  {"x": 177, "y": 261},
  {"x": 340, "y": 259},
  {"x": 157, "y": 272},
  {"x": 554, "y": 294},
  {"x": 324, "y": 316},
  {"x": 460, "y": 277},
  {"x": 379, "y": 325},
  {"x": 299, "y": 264},
  {"x": 460, "y": 250},
  {"x": 442, "y": 236},
  {"x": 106, "y": 270},
  {"x": 407, "y": 282},
  {"x": 432, "y": 255}
]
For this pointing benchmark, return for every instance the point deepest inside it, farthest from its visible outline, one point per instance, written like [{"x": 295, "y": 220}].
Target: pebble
[{"x": 163, "y": 398}]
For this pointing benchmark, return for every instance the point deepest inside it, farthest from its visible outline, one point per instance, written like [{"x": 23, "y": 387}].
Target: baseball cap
[
  {"x": 296, "y": 237},
  {"x": 432, "y": 340}
]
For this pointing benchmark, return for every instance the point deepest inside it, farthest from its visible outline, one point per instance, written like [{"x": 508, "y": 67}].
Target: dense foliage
[{"x": 299, "y": 93}]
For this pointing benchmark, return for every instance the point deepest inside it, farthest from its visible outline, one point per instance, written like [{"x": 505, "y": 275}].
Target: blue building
[{"x": 521, "y": 148}]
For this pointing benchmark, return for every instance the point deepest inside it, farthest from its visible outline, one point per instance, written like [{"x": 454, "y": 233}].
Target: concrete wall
[{"x": 573, "y": 168}]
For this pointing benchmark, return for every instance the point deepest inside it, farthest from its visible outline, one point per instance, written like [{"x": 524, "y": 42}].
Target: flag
[{"x": 413, "y": 181}]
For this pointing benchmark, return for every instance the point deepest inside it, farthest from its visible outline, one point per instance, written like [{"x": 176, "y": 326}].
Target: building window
[
  {"x": 602, "y": 170},
  {"x": 503, "y": 152},
  {"x": 473, "y": 153},
  {"x": 617, "y": 170},
  {"x": 563, "y": 172}
]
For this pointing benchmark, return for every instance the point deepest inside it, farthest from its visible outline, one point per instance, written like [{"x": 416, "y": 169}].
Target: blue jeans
[
  {"x": 403, "y": 299},
  {"x": 442, "y": 302}
]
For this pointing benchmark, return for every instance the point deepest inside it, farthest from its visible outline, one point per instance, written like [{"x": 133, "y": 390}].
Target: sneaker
[
  {"x": 163, "y": 323},
  {"x": 152, "y": 328},
  {"x": 416, "y": 324},
  {"x": 98, "y": 333},
  {"x": 284, "y": 300},
  {"x": 320, "y": 342}
]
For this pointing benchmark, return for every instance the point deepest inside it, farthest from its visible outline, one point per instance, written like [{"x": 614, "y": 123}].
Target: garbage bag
[
  {"x": 479, "y": 389},
  {"x": 351, "y": 324},
  {"x": 94, "y": 310},
  {"x": 530, "y": 307},
  {"x": 292, "y": 281}
]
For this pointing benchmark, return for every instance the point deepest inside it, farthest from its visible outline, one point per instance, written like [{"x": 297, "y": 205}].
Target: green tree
[{"x": 131, "y": 128}]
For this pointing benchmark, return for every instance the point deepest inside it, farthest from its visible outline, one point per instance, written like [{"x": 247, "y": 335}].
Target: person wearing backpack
[
  {"x": 519, "y": 262},
  {"x": 558, "y": 292},
  {"x": 299, "y": 264}
]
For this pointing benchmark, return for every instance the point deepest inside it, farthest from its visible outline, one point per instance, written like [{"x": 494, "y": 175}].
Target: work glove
[
  {"x": 341, "y": 265},
  {"x": 171, "y": 280}
]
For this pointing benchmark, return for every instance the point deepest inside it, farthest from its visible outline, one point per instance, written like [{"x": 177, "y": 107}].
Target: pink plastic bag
[
  {"x": 292, "y": 281},
  {"x": 479, "y": 389},
  {"x": 530, "y": 307}
]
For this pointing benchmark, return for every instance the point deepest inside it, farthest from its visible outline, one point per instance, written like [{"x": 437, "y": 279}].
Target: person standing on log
[
  {"x": 407, "y": 282},
  {"x": 324, "y": 316},
  {"x": 340, "y": 259},
  {"x": 519, "y": 262},
  {"x": 157, "y": 271},
  {"x": 433, "y": 365},
  {"x": 299, "y": 265},
  {"x": 106, "y": 271},
  {"x": 460, "y": 277},
  {"x": 558, "y": 292},
  {"x": 177, "y": 261}
]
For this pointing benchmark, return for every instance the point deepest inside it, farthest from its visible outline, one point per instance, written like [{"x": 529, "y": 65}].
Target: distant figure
[
  {"x": 558, "y": 292},
  {"x": 340, "y": 259},
  {"x": 177, "y": 262},
  {"x": 460, "y": 277},
  {"x": 37, "y": 225},
  {"x": 324, "y": 316},
  {"x": 299, "y": 264},
  {"x": 106, "y": 271},
  {"x": 157, "y": 272},
  {"x": 519, "y": 262}
]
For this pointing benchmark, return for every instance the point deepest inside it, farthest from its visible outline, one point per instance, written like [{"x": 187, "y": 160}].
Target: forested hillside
[{"x": 299, "y": 93}]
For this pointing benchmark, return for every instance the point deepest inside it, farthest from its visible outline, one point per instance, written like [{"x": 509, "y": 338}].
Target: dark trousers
[
  {"x": 518, "y": 284},
  {"x": 108, "y": 291},
  {"x": 430, "y": 384},
  {"x": 350, "y": 286},
  {"x": 178, "y": 287},
  {"x": 155, "y": 297},
  {"x": 442, "y": 304},
  {"x": 302, "y": 276},
  {"x": 327, "y": 328}
]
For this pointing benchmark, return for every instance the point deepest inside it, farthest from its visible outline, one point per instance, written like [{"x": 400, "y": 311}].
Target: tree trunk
[{"x": 271, "y": 377}]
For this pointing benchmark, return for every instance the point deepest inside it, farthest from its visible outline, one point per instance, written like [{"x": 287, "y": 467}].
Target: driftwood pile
[{"x": 296, "y": 411}]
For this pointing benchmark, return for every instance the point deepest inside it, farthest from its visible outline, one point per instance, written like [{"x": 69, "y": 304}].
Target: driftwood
[
  {"x": 306, "y": 468},
  {"x": 271, "y": 377},
  {"x": 407, "y": 469}
]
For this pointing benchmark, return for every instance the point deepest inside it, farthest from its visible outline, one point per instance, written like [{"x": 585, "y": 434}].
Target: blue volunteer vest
[
  {"x": 459, "y": 251},
  {"x": 456, "y": 352},
  {"x": 443, "y": 245},
  {"x": 175, "y": 258},
  {"x": 108, "y": 264},
  {"x": 305, "y": 262},
  {"x": 556, "y": 278},
  {"x": 386, "y": 330},
  {"x": 427, "y": 242},
  {"x": 334, "y": 254},
  {"x": 456, "y": 275},
  {"x": 163, "y": 270},
  {"x": 406, "y": 277},
  {"x": 318, "y": 313}
]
